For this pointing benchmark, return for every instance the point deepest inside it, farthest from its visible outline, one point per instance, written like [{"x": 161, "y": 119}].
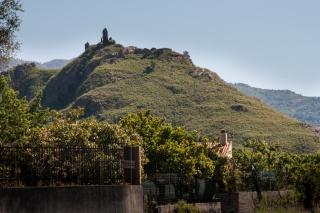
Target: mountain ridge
[
  {"x": 52, "y": 64},
  {"x": 303, "y": 108}
]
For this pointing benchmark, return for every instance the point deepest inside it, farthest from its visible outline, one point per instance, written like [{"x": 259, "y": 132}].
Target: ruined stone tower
[
  {"x": 105, "y": 36},
  {"x": 86, "y": 45}
]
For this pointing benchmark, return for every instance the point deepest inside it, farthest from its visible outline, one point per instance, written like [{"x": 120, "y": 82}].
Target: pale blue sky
[{"x": 270, "y": 44}]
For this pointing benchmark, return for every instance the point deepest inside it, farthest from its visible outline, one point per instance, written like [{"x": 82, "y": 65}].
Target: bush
[
  {"x": 183, "y": 207},
  {"x": 287, "y": 203}
]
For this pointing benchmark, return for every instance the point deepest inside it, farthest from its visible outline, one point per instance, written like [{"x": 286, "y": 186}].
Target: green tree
[
  {"x": 70, "y": 130},
  {"x": 9, "y": 24},
  {"x": 38, "y": 116},
  {"x": 268, "y": 160},
  {"x": 16, "y": 116},
  {"x": 167, "y": 148},
  {"x": 307, "y": 183}
]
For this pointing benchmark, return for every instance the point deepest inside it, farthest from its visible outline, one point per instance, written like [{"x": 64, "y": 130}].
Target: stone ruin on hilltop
[
  {"x": 134, "y": 50},
  {"x": 104, "y": 40}
]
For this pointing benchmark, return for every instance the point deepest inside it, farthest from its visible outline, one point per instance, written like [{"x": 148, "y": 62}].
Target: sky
[{"x": 269, "y": 44}]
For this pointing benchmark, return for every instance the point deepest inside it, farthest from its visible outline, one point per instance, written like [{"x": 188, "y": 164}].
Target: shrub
[{"x": 183, "y": 207}]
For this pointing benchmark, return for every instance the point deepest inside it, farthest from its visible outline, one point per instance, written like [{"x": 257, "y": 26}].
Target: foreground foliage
[
  {"x": 110, "y": 85},
  {"x": 297, "y": 172},
  {"x": 9, "y": 24},
  {"x": 169, "y": 149},
  {"x": 16, "y": 115},
  {"x": 70, "y": 130},
  {"x": 165, "y": 148}
]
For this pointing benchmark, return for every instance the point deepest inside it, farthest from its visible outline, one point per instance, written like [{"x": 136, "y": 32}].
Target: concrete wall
[
  {"x": 78, "y": 199},
  {"x": 229, "y": 202},
  {"x": 241, "y": 202}
]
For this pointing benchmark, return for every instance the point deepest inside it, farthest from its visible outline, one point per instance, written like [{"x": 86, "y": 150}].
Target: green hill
[
  {"x": 111, "y": 81},
  {"x": 29, "y": 79},
  {"x": 305, "y": 109}
]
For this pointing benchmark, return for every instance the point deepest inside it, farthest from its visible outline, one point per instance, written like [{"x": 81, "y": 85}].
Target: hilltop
[
  {"x": 305, "y": 109},
  {"x": 111, "y": 80}
]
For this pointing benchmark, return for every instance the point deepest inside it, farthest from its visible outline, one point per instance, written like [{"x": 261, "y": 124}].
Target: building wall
[
  {"x": 229, "y": 202},
  {"x": 77, "y": 199}
]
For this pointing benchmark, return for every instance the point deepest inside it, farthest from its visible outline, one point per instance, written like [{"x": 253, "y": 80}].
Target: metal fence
[
  {"x": 60, "y": 166},
  {"x": 167, "y": 188}
]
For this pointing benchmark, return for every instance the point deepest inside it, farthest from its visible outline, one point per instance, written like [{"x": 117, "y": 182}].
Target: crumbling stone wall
[{"x": 163, "y": 51}]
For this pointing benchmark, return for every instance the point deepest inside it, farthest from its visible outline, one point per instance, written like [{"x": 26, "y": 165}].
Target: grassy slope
[
  {"x": 109, "y": 87},
  {"x": 306, "y": 109}
]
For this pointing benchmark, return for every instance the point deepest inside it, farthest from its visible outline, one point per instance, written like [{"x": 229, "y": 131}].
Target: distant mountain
[
  {"x": 110, "y": 81},
  {"x": 53, "y": 64},
  {"x": 305, "y": 109}
]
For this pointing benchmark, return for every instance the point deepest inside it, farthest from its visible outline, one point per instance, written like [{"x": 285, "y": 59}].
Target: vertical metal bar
[
  {"x": 15, "y": 166},
  {"x": 31, "y": 169},
  {"x": 130, "y": 166},
  {"x": 101, "y": 158},
  {"x": 72, "y": 160},
  {"x": 50, "y": 167},
  {"x": 55, "y": 164},
  {"x": 123, "y": 166},
  {"x": 79, "y": 164},
  {"x": 2, "y": 165}
]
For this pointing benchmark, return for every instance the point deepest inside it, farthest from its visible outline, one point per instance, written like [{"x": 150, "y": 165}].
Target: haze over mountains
[{"x": 53, "y": 64}]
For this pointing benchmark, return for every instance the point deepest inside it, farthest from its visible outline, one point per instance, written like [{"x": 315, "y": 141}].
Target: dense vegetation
[
  {"x": 298, "y": 172},
  {"x": 112, "y": 81},
  {"x": 28, "y": 79},
  {"x": 16, "y": 115},
  {"x": 305, "y": 109},
  {"x": 25, "y": 124}
]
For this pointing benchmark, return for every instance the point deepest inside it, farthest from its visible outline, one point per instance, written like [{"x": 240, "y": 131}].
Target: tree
[
  {"x": 307, "y": 183},
  {"x": 16, "y": 116},
  {"x": 168, "y": 149},
  {"x": 70, "y": 130},
  {"x": 9, "y": 24}
]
